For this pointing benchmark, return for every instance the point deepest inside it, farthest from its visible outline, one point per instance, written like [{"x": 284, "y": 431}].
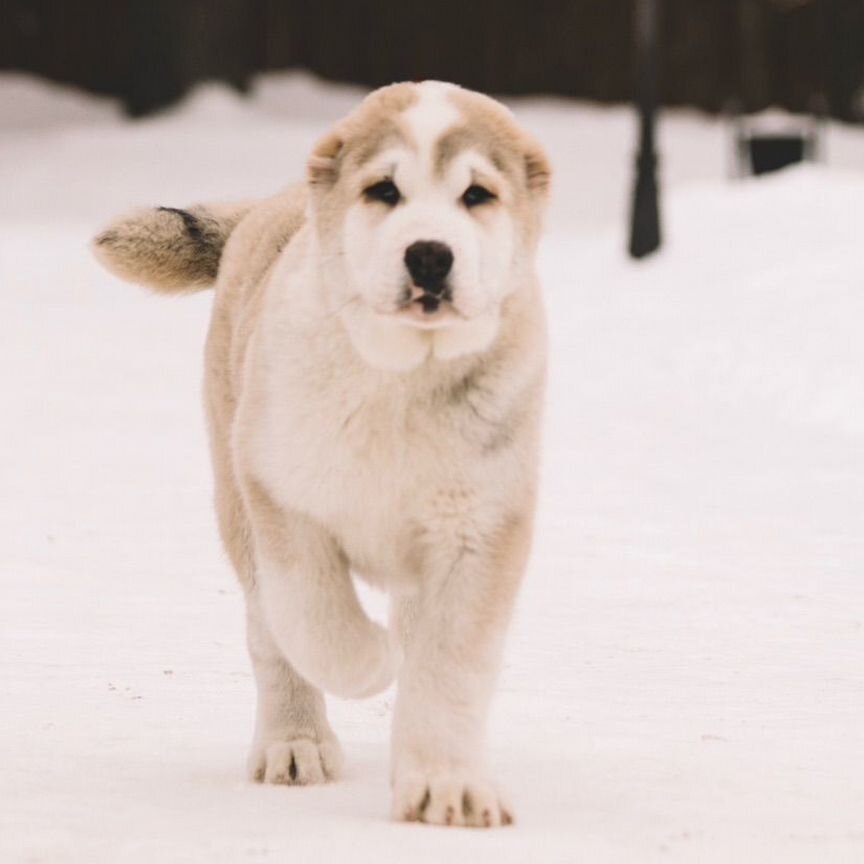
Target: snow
[{"x": 685, "y": 675}]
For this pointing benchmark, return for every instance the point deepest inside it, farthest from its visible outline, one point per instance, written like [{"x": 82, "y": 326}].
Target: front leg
[
  {"x": 293, "y": 742},
  {"x": 454, "y": 632},
  {"x": 309, "y": 605}
]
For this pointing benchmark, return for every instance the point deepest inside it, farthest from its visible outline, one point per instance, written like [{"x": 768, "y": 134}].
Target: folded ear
[
  {"x": 323, "y": 165},
  {"x": 538, "y": 171}
]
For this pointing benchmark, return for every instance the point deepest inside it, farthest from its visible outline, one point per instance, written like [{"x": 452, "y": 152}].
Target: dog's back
[{"x": 249, "y": 253}]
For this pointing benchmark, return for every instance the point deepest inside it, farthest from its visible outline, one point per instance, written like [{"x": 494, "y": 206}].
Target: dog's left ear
[
  {"x": 323, "y": 166},
  {"x": 538, "y": 171}
]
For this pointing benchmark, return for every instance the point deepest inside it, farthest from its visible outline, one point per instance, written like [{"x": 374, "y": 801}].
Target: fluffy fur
[
  {"x": 169, "y": 249},
  {"x": 354, "y": 435}
]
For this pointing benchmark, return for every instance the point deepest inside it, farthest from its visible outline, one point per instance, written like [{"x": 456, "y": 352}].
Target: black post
[{"x": 645, "y": 221}]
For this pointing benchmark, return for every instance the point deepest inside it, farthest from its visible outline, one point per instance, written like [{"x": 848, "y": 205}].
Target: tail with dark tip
[{"x": 167, "y": 249}]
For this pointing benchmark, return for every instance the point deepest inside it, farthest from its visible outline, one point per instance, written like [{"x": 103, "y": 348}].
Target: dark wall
[
  {"x": 793, "y": 53},
  {"x": 148, "y": 52}
]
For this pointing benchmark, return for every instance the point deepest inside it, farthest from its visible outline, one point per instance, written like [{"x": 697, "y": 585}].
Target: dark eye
[
  {"x": 475, "y": 195},
  {"x": 384, "y": 191}
]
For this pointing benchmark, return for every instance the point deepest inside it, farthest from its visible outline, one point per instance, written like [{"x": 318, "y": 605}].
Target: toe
[
  {"x": 307, "y": 763},
  {"x": 280, "y": 766},
  {"x": 298, "y": 762},
  {"x": 410, "y": 799},
  {"x": 331, "y": 758},
  {"x": 480, "y": 804},
  {"x": 445, "y": 803},
  {"x": 449, "y": 800}
]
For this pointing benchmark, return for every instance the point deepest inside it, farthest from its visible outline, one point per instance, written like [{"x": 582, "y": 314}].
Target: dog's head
[{"x": 426, "y": 205}]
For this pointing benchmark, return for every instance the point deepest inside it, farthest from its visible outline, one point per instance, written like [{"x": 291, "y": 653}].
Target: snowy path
[{"x": 685, "y": 676}]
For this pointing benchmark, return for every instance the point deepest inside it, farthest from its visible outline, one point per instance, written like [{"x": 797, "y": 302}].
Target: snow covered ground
[{"x": 685, "y": 675}]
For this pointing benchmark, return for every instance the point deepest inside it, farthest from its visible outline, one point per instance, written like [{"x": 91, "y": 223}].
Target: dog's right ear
[{"x": 323, "y": 166}]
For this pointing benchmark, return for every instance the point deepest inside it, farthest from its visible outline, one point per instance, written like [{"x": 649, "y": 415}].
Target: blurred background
[
  {"x": 775, "y": 82},
  {"x": 801, "y": 55}
]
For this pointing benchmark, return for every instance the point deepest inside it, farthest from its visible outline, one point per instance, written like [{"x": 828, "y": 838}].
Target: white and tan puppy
[{"x": 375, "y": 373}]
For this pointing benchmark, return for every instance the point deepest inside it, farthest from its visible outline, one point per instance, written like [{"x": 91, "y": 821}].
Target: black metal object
[
  {"x": 762, "y": 153},
  {"x": 773, "y": 152},
  {"x": 761, "y": 149},
  {"x": 645, "y": 216}
]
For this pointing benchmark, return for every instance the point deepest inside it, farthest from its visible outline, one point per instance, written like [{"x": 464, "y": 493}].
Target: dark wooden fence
[{"x": 799, "y": 54}]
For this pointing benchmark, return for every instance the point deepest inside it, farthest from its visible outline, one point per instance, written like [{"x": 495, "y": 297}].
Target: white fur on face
[{"x": 375, "y": 238}]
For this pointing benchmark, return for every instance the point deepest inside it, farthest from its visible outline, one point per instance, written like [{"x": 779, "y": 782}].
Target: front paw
[
  {"x": 449, "y": 799},
  {"x": 295, "y": 762}
]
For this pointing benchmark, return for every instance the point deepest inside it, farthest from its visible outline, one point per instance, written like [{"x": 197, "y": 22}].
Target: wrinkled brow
[
  {"x": 461, "y": 138},
  {"x": 380, "y": 137}
]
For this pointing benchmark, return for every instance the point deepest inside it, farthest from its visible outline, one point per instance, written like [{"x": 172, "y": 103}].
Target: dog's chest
[{"x": 370, "y": 464}]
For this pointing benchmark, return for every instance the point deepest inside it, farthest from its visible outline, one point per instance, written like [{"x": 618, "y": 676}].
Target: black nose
[{"x": 429, "y": 262}]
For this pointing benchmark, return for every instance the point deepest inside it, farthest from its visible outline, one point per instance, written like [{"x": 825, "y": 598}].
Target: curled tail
[{"x": 167, "y": 249}]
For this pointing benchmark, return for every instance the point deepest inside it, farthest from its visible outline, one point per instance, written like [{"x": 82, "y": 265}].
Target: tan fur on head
[
  {"x": 168, "y": 249},
  {"x": 361, "y": 133},
  {"x": 495, "y": 124}
]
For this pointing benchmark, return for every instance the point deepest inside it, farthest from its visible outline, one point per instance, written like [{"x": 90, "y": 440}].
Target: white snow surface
[{"x": 684, "y": 679}]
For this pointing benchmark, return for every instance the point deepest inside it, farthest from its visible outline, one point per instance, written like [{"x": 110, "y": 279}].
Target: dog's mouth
[{"x": 427, "y": 309}]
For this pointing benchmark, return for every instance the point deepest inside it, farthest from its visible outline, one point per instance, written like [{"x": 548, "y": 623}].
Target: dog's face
[{"x": 426, "y": 203}]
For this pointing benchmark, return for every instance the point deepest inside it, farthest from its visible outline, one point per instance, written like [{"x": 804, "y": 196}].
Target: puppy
[{"x": 374, "y": 382}]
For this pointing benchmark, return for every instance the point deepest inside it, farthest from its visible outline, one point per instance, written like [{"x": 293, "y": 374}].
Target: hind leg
[{"x": 293, "y": 742}]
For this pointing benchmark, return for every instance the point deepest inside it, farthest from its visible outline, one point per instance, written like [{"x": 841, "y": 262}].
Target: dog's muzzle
[{"x": 429, "y": 262}]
